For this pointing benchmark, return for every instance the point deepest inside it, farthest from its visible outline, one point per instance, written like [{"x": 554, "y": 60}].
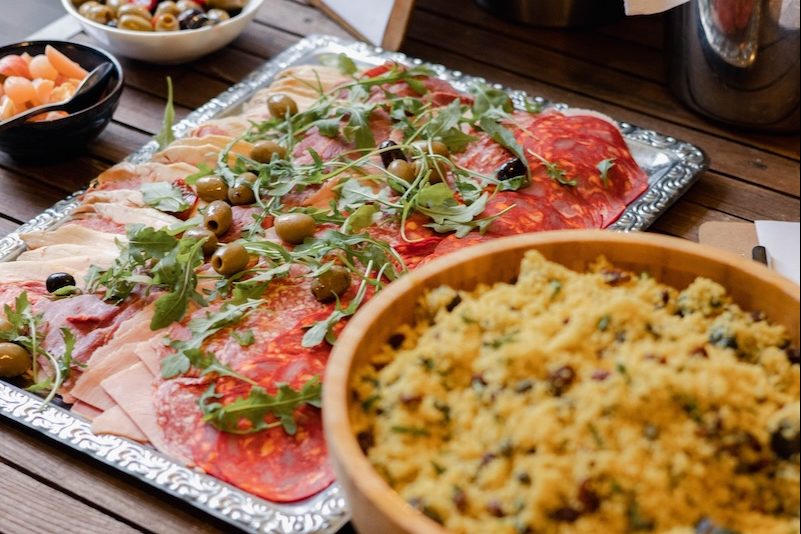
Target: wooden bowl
[{"x": 676, "y": 262}]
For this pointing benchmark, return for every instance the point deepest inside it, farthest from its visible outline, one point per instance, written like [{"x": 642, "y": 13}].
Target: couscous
[{"x": 595, "y": 402}]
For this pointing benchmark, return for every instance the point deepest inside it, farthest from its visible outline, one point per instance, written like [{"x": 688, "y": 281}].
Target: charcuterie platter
[{"x": 609, "y": 175}]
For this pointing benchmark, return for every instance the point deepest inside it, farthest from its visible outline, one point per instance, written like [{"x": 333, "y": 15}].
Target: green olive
[
  {"x": 226, "y": 5},
  {"x": 263, "y": 151},
  {"x": 98, "y": 13},
  {"x": 134, "y": 22},
  {"x": 438, "y": 169},
  {"x": 115, "y": 5},
  {"x": 133, "y": 9},
  {"x": 84, "y": 8},
  {"x": 331, "y": 284},
  {"x": 14, "y": 360},
  {"x": 403, "y": 170},
  {"x": 435, "y": 147},
  {"x": 211, "y": 188},
  {"x": 5, "y": 325},
  {"x": 167, "y": 7},
  {"x": 248, "y": 177},
  {"x": 166, "y": 22},
  {"x": 217, "y": 15},
  {"x": 294, "y": 228},
  {"x": 186, "y": 5},
  {"x": 241, "y": 193},
  {"x": 230, "y": 259},
  {"x": 218, "y": 217},
  {"x": 281, "y": 106},
  {"x": 199, "y": 233}
]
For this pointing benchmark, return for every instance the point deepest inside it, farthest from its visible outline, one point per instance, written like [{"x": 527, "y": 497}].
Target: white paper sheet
[
  {"x": 368, "y": 17},
  {"x": 649, "y": 7},
  {"x": 783, "y": 243}
]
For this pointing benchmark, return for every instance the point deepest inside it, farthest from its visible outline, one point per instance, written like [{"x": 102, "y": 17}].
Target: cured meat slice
[
  {"x": 116, "y": 422},
  {"x": 125, "y": 215},
  {"x": 130, "y": 175},
  {"x": 70, "y": 234},
  {"x": 86, "y": 411},
  {"x": 132, "y": 390},
  {"x": 22, "y": 271},
  {"x": 303, "y": 83}
]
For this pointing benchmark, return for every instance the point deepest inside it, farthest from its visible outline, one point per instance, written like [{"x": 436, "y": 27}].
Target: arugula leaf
[
  {"x": 247, "y": 415},
  {"x": 490, "y": 102},
  {"x": 176, "y": 270},
  {"x": 244, "y": 338},
  {"x": 439, "y": 203},
  {"x": 328, "y": 127},
  {"x": 358, "y": 128},
  {"x": 604, "y": 167},
  {"x": 163, "y": 196},
  {"x": 359, "y": 219},
  {"x": 554, "y": 171},
  {"x": 166, "y": 136},
  {"x": 188, "y": 352},
  {"x": 340, "y": 61},
  {"x": 203, "y": 170},
  {"x": 503, "y": 137}
]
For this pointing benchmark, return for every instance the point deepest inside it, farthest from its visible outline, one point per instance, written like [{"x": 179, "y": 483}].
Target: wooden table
[{"x": 616, "y": 69}]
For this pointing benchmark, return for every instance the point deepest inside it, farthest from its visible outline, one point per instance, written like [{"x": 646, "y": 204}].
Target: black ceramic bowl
[{"x": 68, "y": 136}]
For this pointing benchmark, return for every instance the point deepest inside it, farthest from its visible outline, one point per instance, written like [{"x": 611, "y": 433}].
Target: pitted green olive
[
  {"x": 218, "y": 217},
  {"x": 134, "y": 22},
  {"x": 434, "y": 147},
  {"x": 167, "y": 6},
  {"x": 211, "y": 188},
  {"x": 84, "y": 8},
  {"x": 166, "y": 22},
  {"x": 281, "y": 106},
  {"x": 438, "y": 169},
  {"x": 115, "y": 5},
  {"x": 402, "y": 169},
  {"x": 199, "y": 233},
  {"x": 263, "y": 151},
  {"x": 226, "y": 5},
  {"x": 294, "y": 228},
  {"x": 14, "y": 360},
  {"x": 5, "y": 325},
  {"x": 99, "y": 13},
  {"x": 331, "y": 284},
  {"x": 230, "y": 259},
  {"x": 133, "y": 9},
  {"x": 217, "y": 15},
  {"x": 241, "y": 193}
]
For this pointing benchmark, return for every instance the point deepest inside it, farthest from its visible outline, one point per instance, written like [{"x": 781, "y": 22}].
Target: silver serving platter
[{"x": 672, "y": 166}]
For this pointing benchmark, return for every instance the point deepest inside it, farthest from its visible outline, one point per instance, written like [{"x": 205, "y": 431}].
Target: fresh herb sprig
[{"x": 249, "y": 414}]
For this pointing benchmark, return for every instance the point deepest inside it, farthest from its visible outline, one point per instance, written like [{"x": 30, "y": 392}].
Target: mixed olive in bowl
[
  {"x": 162, "y": 16},
  {"x": 164, "y": 32}
]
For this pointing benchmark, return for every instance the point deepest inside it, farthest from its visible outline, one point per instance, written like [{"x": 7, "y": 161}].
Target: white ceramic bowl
[{"x": 167, "y": 47}]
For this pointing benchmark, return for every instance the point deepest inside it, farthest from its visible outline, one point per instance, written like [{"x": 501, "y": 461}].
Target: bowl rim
[
  {"x": 113, "y": 93},
  {"x": 250, "y": 8},
  {"x": 343, "y": 445}
]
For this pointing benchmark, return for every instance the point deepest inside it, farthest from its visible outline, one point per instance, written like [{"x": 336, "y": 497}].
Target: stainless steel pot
[
  {"x": 556, "y": 13},
  {"x": 737, "y": 61}
]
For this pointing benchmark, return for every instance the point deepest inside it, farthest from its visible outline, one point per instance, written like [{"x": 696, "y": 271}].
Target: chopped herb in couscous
[{"x": 587, "y": 403}]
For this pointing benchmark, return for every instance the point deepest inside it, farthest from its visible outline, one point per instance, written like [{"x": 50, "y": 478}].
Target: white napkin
[
  {"x": 649, "y": 7},
  {"x": 781, "y": 240}
]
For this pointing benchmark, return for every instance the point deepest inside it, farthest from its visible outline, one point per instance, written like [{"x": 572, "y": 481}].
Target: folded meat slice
[
  {"x": 205, "y": 150},
  {"x": 70, "y": 234},
  {"x": 116, "y": 355},
  {"x": 85, "y": 410},
  {"x": 125, "y": 215},
  {"x": 303, "y": 83},
  {"x": 231, "y": 126},
  {"x": 22, "y": 271},
  {"x": 132, "y": 390},
  {"x": 132, "y": 175},
  {"x": 116, "y": 422},
  {"x": 125, "y": 197}
]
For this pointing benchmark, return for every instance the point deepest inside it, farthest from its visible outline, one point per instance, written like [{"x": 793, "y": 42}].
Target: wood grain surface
[{"x": 616, "y": 69}]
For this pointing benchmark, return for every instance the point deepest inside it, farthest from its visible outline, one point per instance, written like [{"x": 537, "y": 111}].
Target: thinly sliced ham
[
  {"x": 116, "y": 422},
  {"x": 125, "y": 215},
  {"x": 86, "y": 411},
  {"x": 197, "y": 150},
  {"x": 303, "y": 83},
  {"x": 132, "y": 390},
  {"x": 102, "y": 255},
  {"x": 70, "y": 234},
  {"x": 125, "y": 197},
  {"x": 230, "y": 126},
  {"x": 23, "y": 271}
]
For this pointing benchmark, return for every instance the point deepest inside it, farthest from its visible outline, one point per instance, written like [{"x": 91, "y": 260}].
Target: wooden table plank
[
  {"x": 30, "y": 506},
  {"x": 74, "y": 474}
]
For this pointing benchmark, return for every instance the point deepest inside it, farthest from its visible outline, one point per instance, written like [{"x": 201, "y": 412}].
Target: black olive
[
  {"x": 58, "y": 280},
  {"x": 192, "y": 19},
  {"x": 793, "y": 355},
  {"x": 785, "y": 441},
  {"x": 390, "y": 154},
  {"x": 511, "y": 169}
]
